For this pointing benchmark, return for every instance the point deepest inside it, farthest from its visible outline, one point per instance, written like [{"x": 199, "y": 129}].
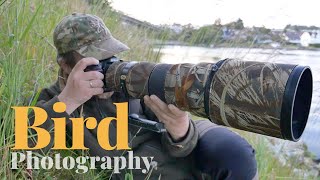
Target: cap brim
[{"x": 103, "y": 49}]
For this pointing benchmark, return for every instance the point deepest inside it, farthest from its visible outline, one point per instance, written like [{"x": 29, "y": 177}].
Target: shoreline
[{"x": 242, "y": 47}]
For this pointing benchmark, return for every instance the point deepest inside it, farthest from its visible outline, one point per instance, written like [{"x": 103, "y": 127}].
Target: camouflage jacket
[{"x": 172, "y": 158}]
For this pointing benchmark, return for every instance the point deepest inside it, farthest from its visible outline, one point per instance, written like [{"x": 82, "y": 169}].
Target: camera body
[{"x": 102, "y": 67}]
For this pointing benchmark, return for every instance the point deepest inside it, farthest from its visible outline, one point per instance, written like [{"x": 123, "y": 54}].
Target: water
[{"x": 183, "y": 54}]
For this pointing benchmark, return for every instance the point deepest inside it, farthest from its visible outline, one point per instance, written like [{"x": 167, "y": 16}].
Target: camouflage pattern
[
  {"x": 112, "y": 76},
  {"x": 185, "y": 85},
  {"x": 248, "y": 95},
  {"x": 86, "y": 34},
  {"x": 242, "y": 94},
  {"x": 136, "y": 80}
]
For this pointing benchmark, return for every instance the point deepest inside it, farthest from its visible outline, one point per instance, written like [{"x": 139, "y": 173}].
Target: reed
[{"x": 27, "y": 64}]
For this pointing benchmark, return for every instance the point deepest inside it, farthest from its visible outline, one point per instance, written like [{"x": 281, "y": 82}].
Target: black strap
[
  {"x": 214, "y": 68},
  {"x": 124, "y": 75},
  {"x": 157, "y": 79}
]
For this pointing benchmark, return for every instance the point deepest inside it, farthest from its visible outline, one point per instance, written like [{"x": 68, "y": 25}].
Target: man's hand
[
  {"x": 176, "y": 121},
  {"x": 81, "y": 86}
]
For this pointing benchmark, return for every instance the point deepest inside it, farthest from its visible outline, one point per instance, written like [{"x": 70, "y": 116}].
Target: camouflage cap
[{"x": 88, "y": 35}]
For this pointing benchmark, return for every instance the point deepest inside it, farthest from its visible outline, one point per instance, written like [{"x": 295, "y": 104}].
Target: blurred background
[{"x": 170, "y": 32}]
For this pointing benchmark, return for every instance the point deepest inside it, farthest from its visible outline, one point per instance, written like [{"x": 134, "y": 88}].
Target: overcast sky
[{"x": 270, "y": 13}]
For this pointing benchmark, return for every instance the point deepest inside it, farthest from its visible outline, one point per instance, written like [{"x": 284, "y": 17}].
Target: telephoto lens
[{"x": 266, "y": 98}]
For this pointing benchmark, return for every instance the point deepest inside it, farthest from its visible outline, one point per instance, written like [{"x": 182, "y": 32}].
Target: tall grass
[
  {"x": 269, "y": 166},
  {"x": 27, "y": 61},
  {"x": 27, "y": 64}
]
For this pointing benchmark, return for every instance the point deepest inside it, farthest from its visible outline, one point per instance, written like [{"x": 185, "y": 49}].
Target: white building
[{"x": 310, "y": 38}]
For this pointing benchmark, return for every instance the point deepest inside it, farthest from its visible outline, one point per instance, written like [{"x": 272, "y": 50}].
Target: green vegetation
[
  {"x": 27, "y": 64},
  {"x": 232, "y": 34},
  {"x": 269, "y": 166}
]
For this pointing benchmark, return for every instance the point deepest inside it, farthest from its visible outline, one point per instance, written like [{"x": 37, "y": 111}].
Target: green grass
[
  {"x": 27, "y": 64},
  {"x": 268, "y": 166}
]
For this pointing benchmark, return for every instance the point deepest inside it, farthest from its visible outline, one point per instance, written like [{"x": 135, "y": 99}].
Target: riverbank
[
  {"x": 247, "y": 46},
  {"x": 295, "y": 155}
]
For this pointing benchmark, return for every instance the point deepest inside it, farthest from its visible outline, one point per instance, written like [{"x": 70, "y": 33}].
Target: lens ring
[{"x": 296, "y": 103}]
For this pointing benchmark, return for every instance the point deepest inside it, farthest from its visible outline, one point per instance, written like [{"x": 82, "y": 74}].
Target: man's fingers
[
  {"x": 151, "y": 105},
  {"x": 175, "y": 121},
  {"x": 176, "y": 110},
  {"x": 83, "y": 63},
  {"x": 95, "y": 84},
  {"x": 92, "y": 75},
  {"x": 157, "y": 111},
  {"x": 96, "y": 91},
  {"x": 160, "y": 104},
  {"x": 155, "y": 99},
  {"x": 173, "y": 112}
]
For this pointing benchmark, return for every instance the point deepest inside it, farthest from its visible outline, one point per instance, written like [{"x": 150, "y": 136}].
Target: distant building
[
  {"x": 228, "y": 33},
  {"x": 310, "y": 38},
  {"x": 292, "y": 37},
  {"x": 263, "y": 39},
  {"x": 276, "y": 31},
  {"x": 275, "y": 45},
  {"x": 177, "y": 28}
]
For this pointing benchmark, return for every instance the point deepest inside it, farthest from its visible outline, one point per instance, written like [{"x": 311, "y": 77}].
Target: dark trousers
[{"x": 223, "y": 154}]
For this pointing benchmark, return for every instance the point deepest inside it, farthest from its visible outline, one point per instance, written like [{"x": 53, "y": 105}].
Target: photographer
[{"x": 187, "y": 150}]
